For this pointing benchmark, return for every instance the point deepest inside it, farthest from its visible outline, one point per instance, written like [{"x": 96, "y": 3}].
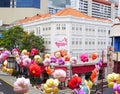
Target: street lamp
[{"x": 11, "y": 62}]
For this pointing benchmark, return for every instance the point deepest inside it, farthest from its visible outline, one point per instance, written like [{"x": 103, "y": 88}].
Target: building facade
[
  {"x": 14, "y": 10},
  {"x": 71, "y": 30},
  {"x": 25, "y": 8},
  {"x": 96, "y": 8},
  {"x": 74, "y": 31}
]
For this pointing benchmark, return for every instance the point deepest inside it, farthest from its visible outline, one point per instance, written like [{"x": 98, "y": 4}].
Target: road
[{"x": 6, "y": 88}]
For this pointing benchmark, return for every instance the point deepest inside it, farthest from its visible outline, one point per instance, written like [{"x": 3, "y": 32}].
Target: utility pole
[{"x": 102, "y": 70}]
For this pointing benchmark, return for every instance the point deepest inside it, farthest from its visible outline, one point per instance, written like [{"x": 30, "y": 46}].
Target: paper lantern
[
  {"x": 46, "y": 62},
  {"x": 35, "y": 70},
  {"x": 94, "y": 56},
  {"x": 61, "y": 61},
  {"x": 67, "y": 58},
  {"x": 48, "y": 70},
  {"x": 59, "y": 73},
  {"x": 37, "y": 59},
  {"x": 53, "y": 59},
  {"x": 74, "y": 82},
  {"x": 84, "y": 57},
  {"x": 51, "y": 86},
  {"x": 21, "y": 85},
  {"x": 73, "y": 60}
]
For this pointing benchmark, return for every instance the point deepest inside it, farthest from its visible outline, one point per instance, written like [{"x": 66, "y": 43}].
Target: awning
[
  {"x": 84, "y": 69},
  {"x": 60, "y": 67}
]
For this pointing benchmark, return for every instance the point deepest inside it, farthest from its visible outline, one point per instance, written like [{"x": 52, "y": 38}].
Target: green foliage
[
  {"x": 31, "y": 41},
  {"x": 12, "y": 37},
  {"x": 17, "y": 37}
]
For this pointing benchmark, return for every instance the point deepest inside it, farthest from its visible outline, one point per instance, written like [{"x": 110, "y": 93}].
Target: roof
[
  {"x": 64, "y": 12},
  {"x": 77, "y": 13},
  {"x": 36, "y": 17}
]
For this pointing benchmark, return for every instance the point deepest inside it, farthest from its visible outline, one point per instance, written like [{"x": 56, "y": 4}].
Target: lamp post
[{"x": 11, "y": 62}]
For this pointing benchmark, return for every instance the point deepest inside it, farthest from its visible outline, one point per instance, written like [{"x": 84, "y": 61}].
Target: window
[
  {"x": 28, "y": 3},
  {"x": 4, "y": 3}
]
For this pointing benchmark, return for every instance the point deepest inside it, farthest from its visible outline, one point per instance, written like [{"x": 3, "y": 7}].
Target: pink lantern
[{"x": 84, "y": 57}]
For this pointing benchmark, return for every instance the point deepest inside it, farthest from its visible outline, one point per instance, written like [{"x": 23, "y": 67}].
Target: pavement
[{"x": 7, "y": 78}]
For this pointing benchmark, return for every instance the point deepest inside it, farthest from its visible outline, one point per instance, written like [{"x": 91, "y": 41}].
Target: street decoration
[
  {"x": 34, "y": 52},
  {"x": 37, "y": 59},
  {"x": 48, "y": 70},
  {"x": 51, "y": 86},
  {"x": 84, "y": 57},
  {"x": 46, "y": 62},
  {"x": 60, "y": 75},
  {"x": 73, "y": 60},
  {"x": 113, "y": 80},
  {"x": 60, "y": 57},
  {"x": 53, "y": 59},
  {"x": 26, "y": 62},
  {"x": 94, "y": 56},
  {"x": 74, "y": 82},
  {"x": 35, "y": 70},
  {"x": 21, "y": 85}
]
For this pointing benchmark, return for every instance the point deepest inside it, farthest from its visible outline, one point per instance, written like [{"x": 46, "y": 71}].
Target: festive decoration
[
  {"x": 34, "y": 52},
  {"x": 24, "y": 52},
  {"x": 53, "y": 59},
  {"x": 21, "y": 85},
  {"x": 63, "y": 52},
  {"x": 94, "y": 56},
  {"x": 84, "y": 57},
  {"x": 51, "y": 86},
  {"x": 48, "y": 70},
  {"x": 61, "y": 61},
  {"x": 26, "y": 62},
  {"x": 94, "y": 75},
  {"x": 79, "y": 91},
  {"x": 47, "y": 55},
  {"x": 60, "y": 75},
  {"x": 37, "y": 59},
  {"x": 116, "y": 88},
  {"x": 88, "y": 83},
  {"x": 35, "y": 70},
  {"x": 112, "y": 78},
  {"x": 74, "y": 82},
  {"x": 57, "y": 54},
  {"x": 46, "y": 62},
  {"x": 73, "y": 60},
  {"x": 67, "y": 58},
  {"x": 86, "y": 89}
]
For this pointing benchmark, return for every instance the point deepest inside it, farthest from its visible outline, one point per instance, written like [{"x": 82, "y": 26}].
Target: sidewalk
[{"x": 10, "y": 80}]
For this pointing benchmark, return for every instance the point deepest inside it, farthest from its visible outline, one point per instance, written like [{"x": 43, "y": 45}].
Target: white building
[{"x": 71, "y": 30}]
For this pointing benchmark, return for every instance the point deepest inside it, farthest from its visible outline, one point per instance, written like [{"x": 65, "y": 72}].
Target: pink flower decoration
[
  {"x": 59, "y": 74},
  {"x": 46, "y": 62},
  {"x": 26, "y": 62},
  {"x": 84, "y": 57},
  {"x": 21, "y": 85},
  {"x": 73, "y": 60},
  {"x": 34, "y": 52}
]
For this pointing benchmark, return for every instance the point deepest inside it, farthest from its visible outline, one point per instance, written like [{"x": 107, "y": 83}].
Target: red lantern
[
  {"x": 94, "y": 56},
  {"x": 75, "y": 82},
  {"x": 35, "y": 70}
]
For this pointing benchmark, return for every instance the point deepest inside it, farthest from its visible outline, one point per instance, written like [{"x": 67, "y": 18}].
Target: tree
[
  {"x": 17, "y": 37},
  {"x": 31, "y": 41},
  {"x": 11, "y": 38}
]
